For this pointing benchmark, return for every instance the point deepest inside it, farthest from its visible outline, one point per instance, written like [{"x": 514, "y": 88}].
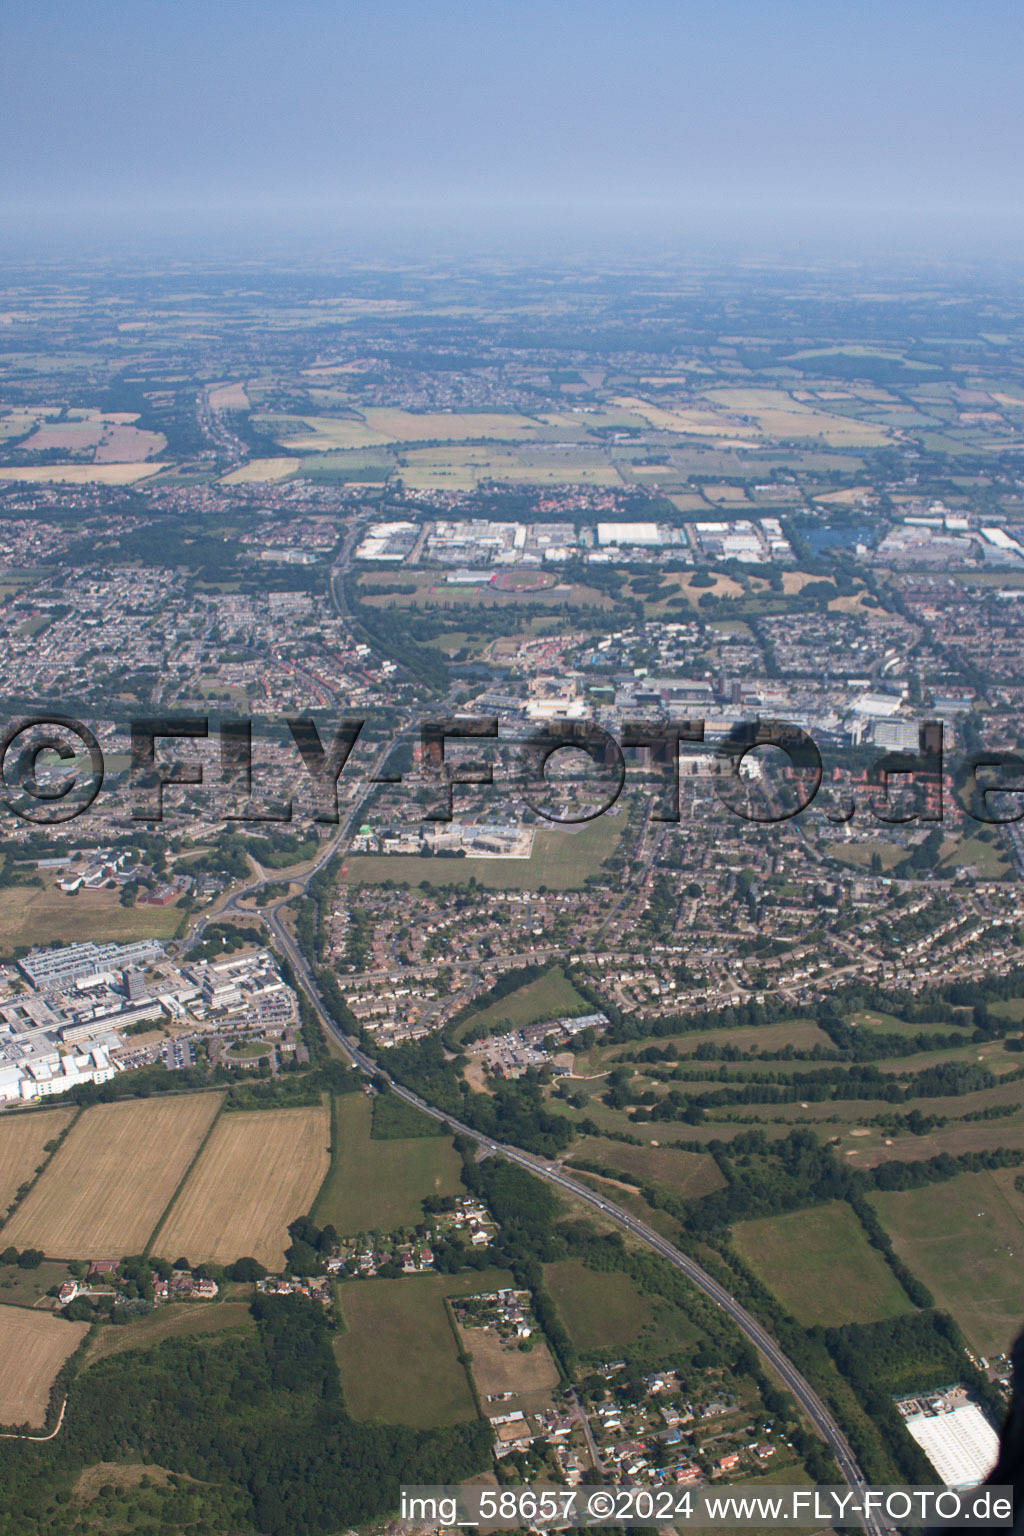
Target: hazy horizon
[{"x": 785, "y": 125}]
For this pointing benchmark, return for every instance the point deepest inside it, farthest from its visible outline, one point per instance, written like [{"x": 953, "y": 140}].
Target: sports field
[
  {"x": 106, "y": 1187},
  {"x": 965, "y": 1239},
  {"x": 380, "y": 1185},
  {"x": 821, "y": 1266},
  {"x": 398, "y": 1356},
  {"x": 33, "y": 1347},
  {"x": 23, "y": 1137},
  {"x": 258, "y": 1171}
]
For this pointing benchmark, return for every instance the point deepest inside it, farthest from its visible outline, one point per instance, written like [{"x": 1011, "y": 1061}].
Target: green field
[
  {"x": 605, "y": 1312},
  {"x": 546, "y": 998},
  {"x": 379, "y": 1185},
  {"x": 398, "y": 1356},
  {"x": 965, "y": 1240},
  {"x": 691, "y": 1174},
  {"x": 602, "y": 1310},
  {"x": 821, "y": 1267},
  {"x": 562, "y": 858}
]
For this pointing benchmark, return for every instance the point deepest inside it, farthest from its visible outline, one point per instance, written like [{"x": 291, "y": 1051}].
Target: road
[{"x": 551, "y": 1173}]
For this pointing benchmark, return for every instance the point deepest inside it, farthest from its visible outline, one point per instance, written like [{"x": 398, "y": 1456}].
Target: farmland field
[
  {"x": 398, "y": 1357},
  {"x": 379, "y": 1185},
  {"x": 22, "y": 1139},
  {"x": 33, "y": 1347},
  {"x": 258, "y": 1171},
  {"x": 82, "y": 474},
  {"x": 261, "y": 469},
  {"x": 500, "y": 1367},
  {"x": 965, "y": 1239},
  {"x": 380, "y": 425},
  {"x": 107, "y": 1186},
  {"x": 821, "y": 1267}
]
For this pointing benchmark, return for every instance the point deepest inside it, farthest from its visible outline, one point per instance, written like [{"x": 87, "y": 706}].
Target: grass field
[
  {"x": 398, "y": 1357},
  {"x": 258, "y": 1171},
  {"x": 379, "y": 1185},
  {"x": 386, "y": 424},
  {"x": 29, "y": 915},
  {"x": 258, "y": 470},
  {"x": 23, "y": 1137},
  {"x": 820, "y": 1265},
  {"x": 562, "y": 858},
  {"x": 601, "y": 1310},
  {"x": 33, "y": 1347},
  {"x": 548, "y": 997},
  {"x": 965, "y": 1239},
  {"x": 170, "y": 1322},
  {"x": 106, "y": 1187},
  {"x": 499, "y": 1367},
  {"x": 690, "y": 1174},
  {"x": 859, "y": 855},
  {"x": 82, "y": 474},
  {"x": 27, "y": 1287}
]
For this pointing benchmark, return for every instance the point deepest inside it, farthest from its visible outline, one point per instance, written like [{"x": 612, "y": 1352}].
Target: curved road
[{"x": 552, "y": 1173}]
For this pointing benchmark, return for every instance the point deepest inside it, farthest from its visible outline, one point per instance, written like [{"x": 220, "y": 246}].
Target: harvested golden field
[
  {"x": 81, "y": 474},
  {"x": 259, "y": 1170},
  {"x": 23, "y": 1135},
  {"x": 384, "y": 424},
  {"x": 122, "y": 445},
  {"x": 228, "y": 397},
  {"x": 108, "y": 1185},
  {"x": 778, "y": 415},
  {"x": 694, "y": 421},
  {"x": 262, "y": 469},
  {"x": 33, "y": 1347}
]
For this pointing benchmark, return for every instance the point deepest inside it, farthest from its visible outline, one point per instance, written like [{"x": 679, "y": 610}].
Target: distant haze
[{"x": 899, "y": 120}]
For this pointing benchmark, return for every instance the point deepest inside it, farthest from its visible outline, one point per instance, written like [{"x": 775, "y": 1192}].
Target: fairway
[
  {"x": 33, "y": 1347},
  {"x": 106, "y": 1187},
  {"x": 380, "y": 1185},
  {"x": 23, "y": 1137},
  {"x": 965, "y": 1239},
  {"x": 259, "y": 1170},
  {"x": 398, "y": 1357},
  {"x": 821, "y": 1267}
]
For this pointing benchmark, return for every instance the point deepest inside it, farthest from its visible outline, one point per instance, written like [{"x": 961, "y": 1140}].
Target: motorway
[{"x": 552, "y": 1173}]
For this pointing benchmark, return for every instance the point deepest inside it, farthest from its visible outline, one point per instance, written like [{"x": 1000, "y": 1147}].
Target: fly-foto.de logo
[{"x": 53, "y": 769}]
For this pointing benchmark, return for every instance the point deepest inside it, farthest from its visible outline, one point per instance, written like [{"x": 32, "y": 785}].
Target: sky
[{"x": 904, "y": 114}]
